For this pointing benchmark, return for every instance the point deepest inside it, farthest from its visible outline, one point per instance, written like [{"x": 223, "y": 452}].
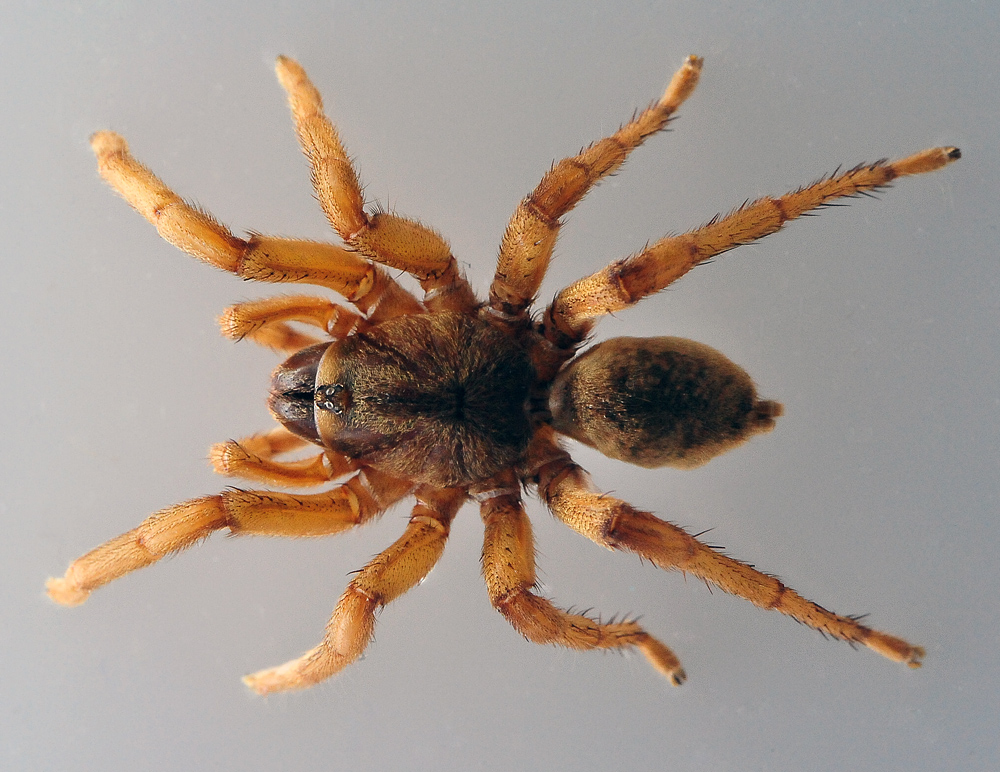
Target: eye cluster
[{"x": 333, "y": 397}]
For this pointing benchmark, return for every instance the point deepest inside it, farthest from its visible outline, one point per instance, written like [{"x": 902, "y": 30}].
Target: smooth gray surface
[{"x": 876, "y": 325}]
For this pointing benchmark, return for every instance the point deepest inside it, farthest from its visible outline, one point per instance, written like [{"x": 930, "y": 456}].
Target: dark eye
[{"x": 332, "y": 397}]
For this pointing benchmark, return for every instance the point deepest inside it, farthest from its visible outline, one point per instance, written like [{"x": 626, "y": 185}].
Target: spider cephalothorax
[
  {"x": 450, "y": 398},
  {"x": 438, "y": 398}
]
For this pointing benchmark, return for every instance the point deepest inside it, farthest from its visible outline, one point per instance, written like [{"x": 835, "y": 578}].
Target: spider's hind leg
[
  {"x": 623, "y": 283},
  {"x": 614, "y": 524},
  {"x": 509, "y": 570}
]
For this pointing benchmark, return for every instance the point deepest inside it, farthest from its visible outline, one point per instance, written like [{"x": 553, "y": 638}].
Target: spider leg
[
  {"x": 509, "y": 570},
  {"x": 621, "y": 284},
  {"x": 392, "y": 573},
  {"x": 612, "y": 523},
  {"x": 384, "y": 237},
  {"x": 531, "y": 234},
  {"x": 252, "y": 458},
  {"x": 265, "y": 513},
  {"x": 261, "y": 258},
  {"x": 265, "y": 321}
]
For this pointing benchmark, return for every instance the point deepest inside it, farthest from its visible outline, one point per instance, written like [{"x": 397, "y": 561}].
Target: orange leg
[
  {"x": 531, "y": 234},
  {"x": 625, "y": 282},
  {"x": 252, "y": 458},
  {"x": 509, "y": 569},
  {"x": 265, "y": 321},
  {"x": 569, "y": 493},
  {"x": 392, "y": 573},
  {"x": 386, "y": 238},
  {"x": 253, "y": 512},
  {"x": 261, "y": 258}
]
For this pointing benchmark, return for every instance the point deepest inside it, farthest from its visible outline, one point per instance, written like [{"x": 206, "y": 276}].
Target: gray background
[{"x": 876, "y": 325}]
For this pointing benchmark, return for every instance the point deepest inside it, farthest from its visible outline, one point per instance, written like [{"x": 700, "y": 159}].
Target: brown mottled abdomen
[{"x": 658, "y": 402}]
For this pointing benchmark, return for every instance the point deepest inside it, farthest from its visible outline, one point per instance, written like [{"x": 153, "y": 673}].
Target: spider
[{"x": 448, "y": 398}]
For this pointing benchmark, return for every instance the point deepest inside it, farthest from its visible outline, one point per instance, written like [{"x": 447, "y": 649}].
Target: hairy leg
[
  {"x": 612, "y": 523},
  {"x": 393, "y": 572},
  {"x": 625, "y": 282},
  {"x": 509, "y": 570},
  {"x": 252, "y": 458},
  {"x": 265, "y": 321},
  {"x": 384, "y": 237},
  {"x": 264, "y": 513},
  {"x": 261, "y": 258},
  {"x": 531, "y": 234}
]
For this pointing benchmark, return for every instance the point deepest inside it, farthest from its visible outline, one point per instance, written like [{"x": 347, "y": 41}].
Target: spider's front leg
[
  {"x": 612, "y": 523},
  {"x": 384, "y": 237},
  {"x": 260, "y": 258},
  {"x": 509, "y": 570},
  {"x": 396, "y": 570},
  {"x": 263, "y": 513}
]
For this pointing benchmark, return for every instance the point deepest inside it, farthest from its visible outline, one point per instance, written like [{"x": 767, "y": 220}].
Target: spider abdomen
[
  {"x": 436, "y": 398},
  {"x": 658, "y": 402}
]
